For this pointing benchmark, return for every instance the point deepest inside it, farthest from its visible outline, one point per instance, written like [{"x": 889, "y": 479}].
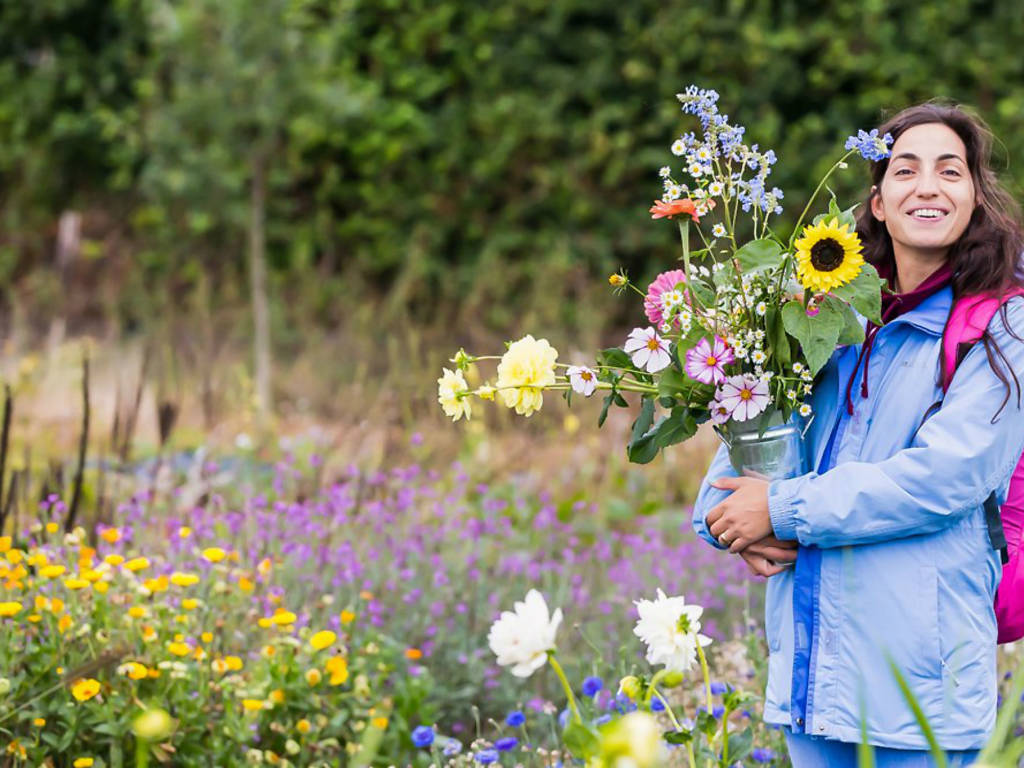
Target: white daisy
[
  {"x": 582, "y": 379},
  {"x": 805, "y": 410},
  {"x": 678, "y": 147},
  {"x": 664, "y": 171}
]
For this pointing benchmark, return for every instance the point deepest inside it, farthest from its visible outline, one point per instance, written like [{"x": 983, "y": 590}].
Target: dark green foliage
[{"x": 469, "y": 160}]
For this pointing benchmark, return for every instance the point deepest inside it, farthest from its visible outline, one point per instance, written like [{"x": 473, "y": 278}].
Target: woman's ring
[{"x": 723, "y": 541}]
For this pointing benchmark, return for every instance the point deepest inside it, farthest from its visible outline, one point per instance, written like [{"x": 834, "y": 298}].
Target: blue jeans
[{"x": 817, "y": 752}]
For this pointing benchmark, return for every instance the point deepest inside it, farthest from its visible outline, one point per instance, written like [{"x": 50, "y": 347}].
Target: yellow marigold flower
[
  {"x": 526, "y": 367},
  {"x": 113, "y": 560},
  {"x": 60, "y": 670},
  {"x": 214, "y": 554},
  {"x": 413, "y": 653},
  {"x": 206, "y": 637},
  {"x": 83, "y": 762},
  {"x": 110, "y": 535},
  {"x": 56, "y": 605},
  {"x": 246, "y": 585},
  {"x": 303, "y": 726},
  {"x": 199, "y": 654},
  {"x": 51, "y": 527},
  {"x": 179, "y": 649},
  {"x": 101, "y": 587},
  {"x": 283, "y": 617},
  {"x": 380, "y": 723},
  {"x": 322, "y": 639},
  {"x": 86, "y": 553},
  {"x": 64, "y": 622},
  {"x": 76, "y": 583},
  {"x": 337, "y": 668},
  {"x": 313, "y": 676},
  {"x": 136, "y": 564},
  {"x": 92, "y": 575},
  {"x": 51, "y": 571},
  {"x": 138, "y": 611},
  {"x": 134, "y": 670},
  {"x": 277, "y": 696},
  {"x": 11, "y": 608},
  {"x": 178, "y": 638},
  {"x": 267, "y": 651},
  {"x": 35, "y": 618},
  {"x": 148, "y": 633},
  {"x": 159, "y": 584},
  {"x": 264, "y": 621},
  {"x": 5, "y": 543},
  {"x": 189, "y": 603},
  {"x": 41, "y": 603},
  {"x": 179, "y": 579},
  {"x": 452, "y": 391},
  {"x": 219, "y": 666},
  {"x": 184, "y": 532},
  {"x": 264, "y": 566},
  {"x": 154, "y": 672},
  {"x": 85, "y": 689},
  {"x": 15, "y": 748},
  {"x": 14, "y": 556},
  {"x": 39, "y": 722},
  {"x": 347, "y": 617},
  {"x": 234, "y": 663},
  {"x": 251, "y": 705}
]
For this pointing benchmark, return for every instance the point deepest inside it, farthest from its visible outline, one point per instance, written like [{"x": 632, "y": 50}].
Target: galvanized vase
[{"x": 776, "y": 454}]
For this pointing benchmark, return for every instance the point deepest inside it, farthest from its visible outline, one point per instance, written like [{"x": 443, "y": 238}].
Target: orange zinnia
[{"x": 662, "y": 209}]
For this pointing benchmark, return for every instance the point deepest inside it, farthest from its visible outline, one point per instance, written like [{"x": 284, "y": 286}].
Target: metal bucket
[{"x": 777, "y": 454}]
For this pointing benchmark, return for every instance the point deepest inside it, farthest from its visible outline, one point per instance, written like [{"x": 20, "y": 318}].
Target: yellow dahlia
[
  {"x": 527, "y": 367},
  {"x": 828, "y": 256},
  {"x": 450, "y": 386}
]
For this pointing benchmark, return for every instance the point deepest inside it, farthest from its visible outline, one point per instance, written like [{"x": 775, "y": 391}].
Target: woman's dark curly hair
[{"x": 987, "y": 256}]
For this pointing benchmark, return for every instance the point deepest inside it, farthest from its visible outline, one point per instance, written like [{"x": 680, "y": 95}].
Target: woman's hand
[
  {"x": 760, "y": 565},
  {"x": 770, "y": 556},
  {"x": 742, "y": 518}
]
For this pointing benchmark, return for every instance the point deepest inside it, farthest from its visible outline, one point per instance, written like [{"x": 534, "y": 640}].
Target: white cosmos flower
[
  {"x": 671, "y": 630},
  {"x": 647, "y": 349},
  {"x": 522, "y": 639},
  {"x": 582, "y": 379}
]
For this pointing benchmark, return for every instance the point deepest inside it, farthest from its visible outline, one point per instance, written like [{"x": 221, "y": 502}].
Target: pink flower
[
  {"x": 704, "y": 362},
  {"x": 647, "y": 349},
  {"x": 719, "y": 413},
  {"x": 744, "y": 396},
  {"x": 666, "y": 281}
]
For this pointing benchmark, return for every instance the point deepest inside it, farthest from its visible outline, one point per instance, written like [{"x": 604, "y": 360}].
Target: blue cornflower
[
  {"x": 717, "y": 711},
  {"x": 515, "y": 718},
  {"x": 762, "y": 755},
  {"x": 486, "y": 756},
  {"x": 599, "y": 721},
  {"x": 592, "y": 685},
  {"x": 657, "y": 705},
  {"x": 506, "y": 743},
  {"x": 452, "y": 747},
  {"x": 718, "y": 688},
  {"x": 870, "y": 145},
  {"x": 423, "y": 736}
]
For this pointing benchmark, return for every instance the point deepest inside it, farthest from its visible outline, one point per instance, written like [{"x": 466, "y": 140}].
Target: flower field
[{"x": 239, "y": 612}]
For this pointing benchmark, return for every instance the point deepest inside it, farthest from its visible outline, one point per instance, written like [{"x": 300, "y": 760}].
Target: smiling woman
[{"x": 895, "y": 558}]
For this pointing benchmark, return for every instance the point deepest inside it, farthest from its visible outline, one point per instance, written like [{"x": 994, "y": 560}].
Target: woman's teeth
[{"x": 928, "y": 213}]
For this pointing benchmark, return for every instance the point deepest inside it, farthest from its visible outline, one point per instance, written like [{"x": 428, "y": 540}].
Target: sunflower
[{"x": 828, "y": 256}]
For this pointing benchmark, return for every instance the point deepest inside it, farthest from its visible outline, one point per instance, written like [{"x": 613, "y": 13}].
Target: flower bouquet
[{"x": 737, "y": 332}]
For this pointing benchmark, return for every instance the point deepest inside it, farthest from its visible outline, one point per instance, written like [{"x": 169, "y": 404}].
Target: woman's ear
[{"x": 877, "y": 210}]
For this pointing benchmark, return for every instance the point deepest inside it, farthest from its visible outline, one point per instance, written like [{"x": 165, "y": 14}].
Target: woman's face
[{"x": 927, "y": 195}]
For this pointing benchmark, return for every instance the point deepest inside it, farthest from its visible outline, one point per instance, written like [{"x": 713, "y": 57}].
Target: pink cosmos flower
[
  {"x": 647, "y": 349},
  {"x": 719, "y": 413},
  {"x": 666, "y": 281},
  {"x": 704, "y": 362},
  {"x": 744, "y": 396},
  {"x": 582, "y": 379}
]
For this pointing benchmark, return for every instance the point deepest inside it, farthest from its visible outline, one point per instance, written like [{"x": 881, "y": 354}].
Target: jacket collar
[{"x": 930, "y": 315}]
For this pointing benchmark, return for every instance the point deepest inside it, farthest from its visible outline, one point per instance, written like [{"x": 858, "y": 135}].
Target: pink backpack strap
[{"x": 967, "y": 322}]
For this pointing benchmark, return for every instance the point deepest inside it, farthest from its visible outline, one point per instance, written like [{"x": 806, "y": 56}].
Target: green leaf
[
  {"x": 675, "y": 427},
  {"x": 853, "y": 332},
  {"x": 604, "y": 409},
  {"x": 817, "y": 335},
  {"x": 741, "y": 743},
  {"x": 864, "y": 293},
  {"x": 759, "y": 255},
  {"x": 701, "y": 291},
  {"x": 922, "y": 721},
  {"x": 644, "y": 419},
  {"x": 615, "y": 357},
  {"x": 778, "y": 342},
  {"x": 580, "y": 740},
  {"x": 846, "y": 217},
  {"x": 677, "y": 737},
  {"x": 671, "y": 384},
  {"x": 726, "y": 275}
]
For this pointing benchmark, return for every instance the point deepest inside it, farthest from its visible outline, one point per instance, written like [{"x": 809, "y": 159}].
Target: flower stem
[
  {"x": 565, "y": 685},
  {"x": 707, "y": 675},
  {"x": 817, "y": 189}
]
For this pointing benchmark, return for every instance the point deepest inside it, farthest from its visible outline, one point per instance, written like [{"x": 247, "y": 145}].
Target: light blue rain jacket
[{"x": 895, "y": 559}]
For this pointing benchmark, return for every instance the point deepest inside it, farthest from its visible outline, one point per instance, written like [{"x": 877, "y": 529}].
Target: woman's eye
[
  {"x": 952, "y": 171},
  {"x": 901, "y": 171}
]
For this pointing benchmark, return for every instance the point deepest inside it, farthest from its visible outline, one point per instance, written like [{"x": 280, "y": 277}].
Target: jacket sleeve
[
  {"x": 956, "y": 460},
  {"x": 708, "y": 497}
]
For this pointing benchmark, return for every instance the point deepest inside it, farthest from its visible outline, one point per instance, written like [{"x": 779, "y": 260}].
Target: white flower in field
[
  {"x": 522, "y": 639},
  {"x": 696, "y": 170},
  {"x": 665, "y": 327},
  {"x": 718, "y": 231},
  {"x": 715, "y": 189},
  {"x": 791, "y": 394},
  {"x": 678, "y": 147},
  {"x": 805, "y": 410},
  {"x": 761, "y": 309},
  {"x": 758, "y": 357},
  {"x": 449, "y": 387},
  {"x": 582, "y": 379},
  {"x": 671, "y": 630},
  {"x": 243, "y": 442},
  {"x": 664, "y": 171},
  {"x": 672, "y": 192},
  {"x": 647, "y": 350}
]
